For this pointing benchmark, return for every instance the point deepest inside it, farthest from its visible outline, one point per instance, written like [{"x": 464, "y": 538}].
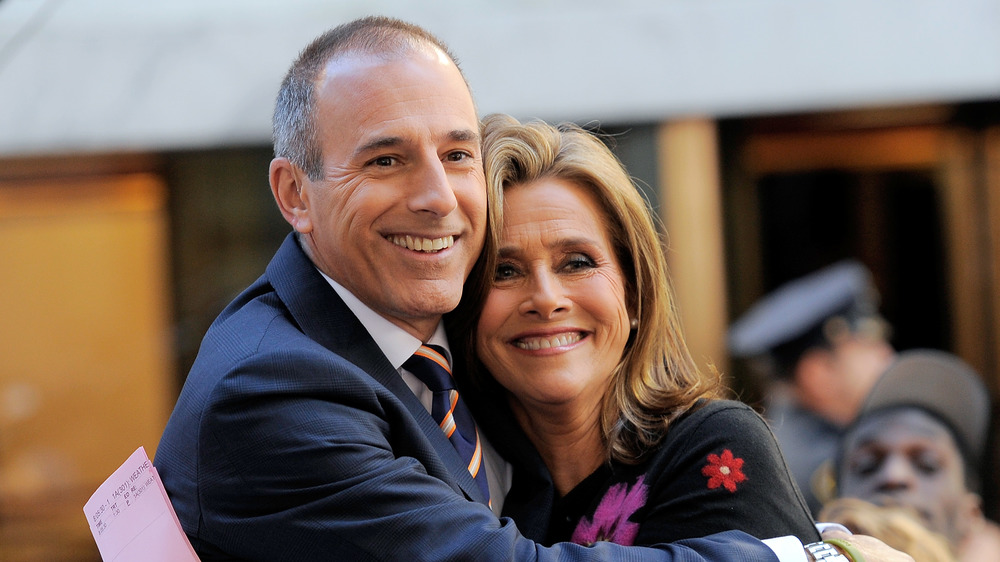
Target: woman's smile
[{"x": 554, "y": 341}]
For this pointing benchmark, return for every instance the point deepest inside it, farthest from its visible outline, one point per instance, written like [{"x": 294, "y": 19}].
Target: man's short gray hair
[{"x": 294, "y": 129}]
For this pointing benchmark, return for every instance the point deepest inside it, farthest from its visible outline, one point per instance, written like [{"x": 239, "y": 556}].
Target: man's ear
[{"x": 288, "y": 185}]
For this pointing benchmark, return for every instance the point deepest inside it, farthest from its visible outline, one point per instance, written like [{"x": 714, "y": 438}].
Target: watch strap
[{"x": 823, "y": 552}]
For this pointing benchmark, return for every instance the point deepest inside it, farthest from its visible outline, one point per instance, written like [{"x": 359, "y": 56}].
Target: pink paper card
[{"x": 131, "y": 517}]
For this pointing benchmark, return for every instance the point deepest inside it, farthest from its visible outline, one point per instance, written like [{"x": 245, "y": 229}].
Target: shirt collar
[{"x": 396, "y": 343}]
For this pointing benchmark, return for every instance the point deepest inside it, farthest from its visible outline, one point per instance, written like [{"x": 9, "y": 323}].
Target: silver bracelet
[{"x": 824, "y": 552}]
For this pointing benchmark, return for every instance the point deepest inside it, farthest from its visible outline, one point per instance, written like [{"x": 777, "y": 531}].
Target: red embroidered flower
[{"x": 724, "y": 470}]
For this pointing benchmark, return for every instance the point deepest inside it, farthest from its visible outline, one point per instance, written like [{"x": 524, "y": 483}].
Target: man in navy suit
[{"x": 299, "y": 435}]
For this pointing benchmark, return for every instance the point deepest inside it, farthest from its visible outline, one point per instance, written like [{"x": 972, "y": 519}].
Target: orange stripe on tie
[
  {"x": 477, "y": 458},
  {"x": 448, "y": 425},
  {"x": 434, "y": 356}
]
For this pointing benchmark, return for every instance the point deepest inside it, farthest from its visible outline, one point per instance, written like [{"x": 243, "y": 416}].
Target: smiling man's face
[{"x": 399, "y": 216}]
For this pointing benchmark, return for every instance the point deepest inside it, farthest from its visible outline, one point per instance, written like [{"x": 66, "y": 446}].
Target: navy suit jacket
[{"x": 295, "y": 439}]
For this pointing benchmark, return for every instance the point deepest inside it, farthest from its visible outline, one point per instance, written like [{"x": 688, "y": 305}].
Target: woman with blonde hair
[{"x": 571, "y": 330}]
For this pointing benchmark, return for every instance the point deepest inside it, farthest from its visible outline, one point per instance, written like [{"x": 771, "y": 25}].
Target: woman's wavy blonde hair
[
  {"x": 897, "y": 526},
  {"x": 656, "y": 379}
]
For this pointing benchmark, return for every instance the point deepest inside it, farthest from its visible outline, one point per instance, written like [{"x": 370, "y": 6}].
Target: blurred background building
[{"x": 772, "y": 136}]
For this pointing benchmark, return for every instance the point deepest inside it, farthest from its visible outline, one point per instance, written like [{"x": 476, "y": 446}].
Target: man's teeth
[
  {"x": 423, "y": 244},
  {"x": 533, "y": 344}
]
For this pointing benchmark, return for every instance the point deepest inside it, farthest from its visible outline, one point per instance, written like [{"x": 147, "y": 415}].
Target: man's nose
[
  {"x": 432, "y": 189},
  {"x": 895, "y": 475}
]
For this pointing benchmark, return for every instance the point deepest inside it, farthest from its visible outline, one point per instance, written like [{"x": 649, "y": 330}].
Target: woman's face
[{"x": 555, "y": 324}]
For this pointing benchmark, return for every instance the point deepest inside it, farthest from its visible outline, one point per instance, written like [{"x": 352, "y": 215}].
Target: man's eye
[
  {"x": 865, "y": 465},
  {"x": 928, "y": 463},
  {"x": 383, "y": 161},
  {"x": 457, "y": 156}
]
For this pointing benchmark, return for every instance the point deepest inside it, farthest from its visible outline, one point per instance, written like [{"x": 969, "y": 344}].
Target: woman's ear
[{"x": 289, "y": 186}]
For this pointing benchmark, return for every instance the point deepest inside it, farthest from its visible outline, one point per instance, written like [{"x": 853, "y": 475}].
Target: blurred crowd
[{"x": 888, "y": 443}]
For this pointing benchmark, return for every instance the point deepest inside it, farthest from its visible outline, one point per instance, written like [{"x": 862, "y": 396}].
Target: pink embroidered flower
[
  {"x": 610, "y": 521},
  {"x": 724, "y": 470}
]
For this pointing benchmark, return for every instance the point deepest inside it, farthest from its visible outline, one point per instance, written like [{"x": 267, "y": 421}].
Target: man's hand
[{"x": 873, "y": 549}]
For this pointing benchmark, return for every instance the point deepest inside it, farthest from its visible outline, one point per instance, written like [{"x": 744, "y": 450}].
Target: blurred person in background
[
  {"x": 919, "y": 443},
  {"x": 821, "y": 344}
]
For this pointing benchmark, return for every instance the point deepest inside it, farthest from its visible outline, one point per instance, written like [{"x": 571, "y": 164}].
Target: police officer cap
[{"x": 806, "y": 312}]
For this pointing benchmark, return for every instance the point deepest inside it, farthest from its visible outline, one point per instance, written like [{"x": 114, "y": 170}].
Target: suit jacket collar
[{"x": 322, "y": 316}]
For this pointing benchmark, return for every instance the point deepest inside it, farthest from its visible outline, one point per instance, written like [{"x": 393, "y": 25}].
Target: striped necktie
[{"x": 430, "y": 366}]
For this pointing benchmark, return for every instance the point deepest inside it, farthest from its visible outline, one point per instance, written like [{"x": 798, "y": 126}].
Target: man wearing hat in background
[
  {"x": 919, "y": 442},
  {"x": 821, "y": 343}
]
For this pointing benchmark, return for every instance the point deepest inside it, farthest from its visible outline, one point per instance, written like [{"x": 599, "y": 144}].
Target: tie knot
[{"x": 430, "y": 366}]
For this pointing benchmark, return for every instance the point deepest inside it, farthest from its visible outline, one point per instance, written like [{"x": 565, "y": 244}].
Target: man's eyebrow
[
  {"x": 377, "y": 144},
  {"x": 464, "y": 135}
]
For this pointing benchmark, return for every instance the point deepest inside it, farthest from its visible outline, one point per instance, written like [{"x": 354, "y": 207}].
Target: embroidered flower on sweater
[
  {"x": 724, "y": 470},
  {"x": 610, "y": 522}
]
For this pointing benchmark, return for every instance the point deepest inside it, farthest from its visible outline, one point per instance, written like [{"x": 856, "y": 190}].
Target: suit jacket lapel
[{"x": 323, "y": 316}]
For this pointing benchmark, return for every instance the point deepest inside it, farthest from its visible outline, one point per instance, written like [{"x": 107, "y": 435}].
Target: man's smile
[{"x": 420, "y": 244}]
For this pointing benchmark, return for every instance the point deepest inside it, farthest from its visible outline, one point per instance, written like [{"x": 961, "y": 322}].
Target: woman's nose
[{"x": 546, "y": 297}]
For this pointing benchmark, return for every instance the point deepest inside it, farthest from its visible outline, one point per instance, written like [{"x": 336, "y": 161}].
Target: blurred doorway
[
  {"x": 888, "y": 219},
  {"x": 899, "y": 192},
  {"x": 914, "y": 193}
]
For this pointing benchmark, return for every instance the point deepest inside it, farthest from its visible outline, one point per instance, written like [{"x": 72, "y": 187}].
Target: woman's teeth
[{"x": 533, "y": 344}]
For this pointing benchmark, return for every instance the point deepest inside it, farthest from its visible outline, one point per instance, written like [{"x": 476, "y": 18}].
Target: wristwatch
[{"x": 823, "y": 552}]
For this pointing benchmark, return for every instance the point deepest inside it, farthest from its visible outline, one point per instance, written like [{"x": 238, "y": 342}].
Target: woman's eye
[
  {"x": 505, "y": 271},
  {"x": 577, "y": 262}
]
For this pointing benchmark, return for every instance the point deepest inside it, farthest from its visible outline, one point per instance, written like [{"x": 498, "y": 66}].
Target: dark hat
[
  {"x": 943, "y": 385},
  {"x": 808, "y": 311}
]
